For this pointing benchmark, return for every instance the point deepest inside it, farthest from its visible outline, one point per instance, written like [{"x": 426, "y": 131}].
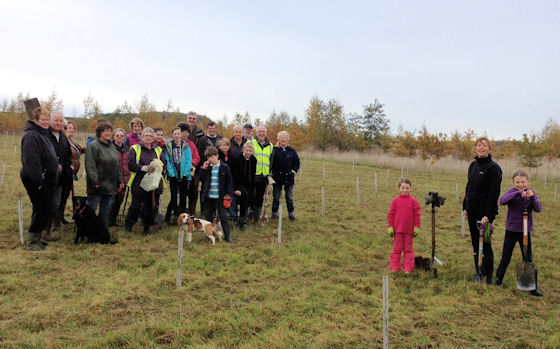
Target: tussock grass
[{"x": 322, "y": 287}]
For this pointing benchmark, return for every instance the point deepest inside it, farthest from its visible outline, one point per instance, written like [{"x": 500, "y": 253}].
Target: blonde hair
[
  {"x": 37, "y": 112},
  {"x": 136, "y": 121},
  {"x": 223, "y": 141},
  {"x": 283, "y": 133},
  {"x": 248, "y": 145}
]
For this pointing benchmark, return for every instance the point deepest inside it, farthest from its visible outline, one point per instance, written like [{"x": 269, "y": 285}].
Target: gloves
[
  {"x": 391, "y": 231},
  {"x": 416, "y": 231}
]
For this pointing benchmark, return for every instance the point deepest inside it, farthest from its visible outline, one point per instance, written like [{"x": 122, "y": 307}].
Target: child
[
  {"x": 243, "y": 172},
  {"x": 216, "y": 183},
  {"x": 517, "y": 198},
  {"x": 223, "y": 151},
  {"x": 404, "y": 223},
  {"x": 179, "y": 164},
  {"x": 158, "y": 137}
]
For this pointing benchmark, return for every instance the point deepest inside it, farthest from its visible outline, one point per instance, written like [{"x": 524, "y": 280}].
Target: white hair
[{"x": 148, "y": 130}]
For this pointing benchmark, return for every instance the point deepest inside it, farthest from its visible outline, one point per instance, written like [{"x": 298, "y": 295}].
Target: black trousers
[
  {"x": 193, "y": 193},
  {"x": 143, "y": 204},
  {"x": 511, "y": 238},
  {"x": 260, "y": 189},
  {"x": 181, "y": 187},
  {"x": 41, "y": 200},
  {"x": 488, "y": 258}
]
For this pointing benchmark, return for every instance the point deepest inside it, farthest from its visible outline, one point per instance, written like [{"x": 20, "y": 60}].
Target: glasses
[{"x": 119, "y": 135}]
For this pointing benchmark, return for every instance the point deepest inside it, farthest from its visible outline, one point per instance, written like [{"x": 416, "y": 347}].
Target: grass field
[{"x": 321, "y": 287}]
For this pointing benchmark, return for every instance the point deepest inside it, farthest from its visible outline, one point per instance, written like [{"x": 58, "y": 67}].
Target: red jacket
[
  {"x": 194, "y": 153},
  {"x": 404, "y": 214}
]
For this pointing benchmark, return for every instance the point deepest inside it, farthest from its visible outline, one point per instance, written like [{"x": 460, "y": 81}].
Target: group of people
[
  {"x": 480, "y": 206},
  {"x": 230, "y": 176}
]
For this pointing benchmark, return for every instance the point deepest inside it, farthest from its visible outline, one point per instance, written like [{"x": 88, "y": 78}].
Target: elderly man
[
  {"x": 64, "y": 156},
  {"x": 263, "y": 153},
  {"x": 248, "y": 132}
]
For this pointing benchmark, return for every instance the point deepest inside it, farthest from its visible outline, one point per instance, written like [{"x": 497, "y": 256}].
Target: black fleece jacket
[
  {"x": 38, "y": 157},
  {"x": 483, "y": 188}
]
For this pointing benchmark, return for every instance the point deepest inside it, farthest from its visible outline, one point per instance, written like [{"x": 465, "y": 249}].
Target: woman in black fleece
[{"x": 481, "y": 200}]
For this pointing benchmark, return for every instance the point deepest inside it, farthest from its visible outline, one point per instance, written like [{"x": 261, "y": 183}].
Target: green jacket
[{"x": 102, "y": 167}]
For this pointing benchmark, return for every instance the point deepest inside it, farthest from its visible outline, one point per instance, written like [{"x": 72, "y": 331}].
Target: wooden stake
[
  {"x": 322, "y": 200},
  {"x": 387, "y": 178},
  {"x": 15, "y": 152},
  {"x": 375, "y": 181},
  {"x": 457, "y": 191},
  {"x": 358, "y": 189},
  {"x": 545, "y": 181},
  {"x": 352, "y": 166},
  {"x": 462, "y": 225},
  {"x": 555, "y": 188},
  {"x": 402, "y": 172},
  {"x": 84, "y": 173},
  {"x": 20, "y": 220},
  {"x": 385, "y": 312},
  {"x": 180, "y": 258},
  {"x": 324, "y": 175},
  {"x": 3, "y": 171},
  {"x": 280, "y": 223}
]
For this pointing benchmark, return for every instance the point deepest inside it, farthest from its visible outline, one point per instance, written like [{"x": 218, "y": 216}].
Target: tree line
[{"x": 325, "y": 127}]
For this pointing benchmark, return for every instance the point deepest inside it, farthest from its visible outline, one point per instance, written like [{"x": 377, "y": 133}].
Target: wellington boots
[
  {"x": 57, "y": 220},
  {"x": 536, "y": 292},
  {"x": 35, "y": 242}
]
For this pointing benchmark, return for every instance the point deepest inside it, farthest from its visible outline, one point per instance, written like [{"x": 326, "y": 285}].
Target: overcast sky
[{"x": 492, "y": 66}]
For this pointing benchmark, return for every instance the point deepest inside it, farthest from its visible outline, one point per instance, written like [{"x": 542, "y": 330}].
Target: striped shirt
[{"x": 214, "y": 191}]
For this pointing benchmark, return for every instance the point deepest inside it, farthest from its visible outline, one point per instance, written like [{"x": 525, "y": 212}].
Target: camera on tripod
[{"x": 434, "y": 199}]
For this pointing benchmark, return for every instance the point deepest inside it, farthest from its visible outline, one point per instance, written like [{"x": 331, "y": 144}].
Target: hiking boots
[
  {"x": 536, "y": 292},
  {"x": 34, "y": 243}
]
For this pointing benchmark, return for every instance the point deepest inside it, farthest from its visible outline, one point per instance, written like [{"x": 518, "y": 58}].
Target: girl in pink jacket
[{"x": 404, "y": 222}]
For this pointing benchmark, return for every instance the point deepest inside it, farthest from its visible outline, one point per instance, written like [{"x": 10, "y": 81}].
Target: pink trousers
[{"x": 402, "y": 243}]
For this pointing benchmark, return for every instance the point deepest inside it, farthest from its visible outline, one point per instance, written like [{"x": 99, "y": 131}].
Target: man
[
  {"x": 263, "y": 153},
  {"x": 195, "y": 134},
  {"x": 64, "y": 156},
  {"x": 248, "y": 132}
]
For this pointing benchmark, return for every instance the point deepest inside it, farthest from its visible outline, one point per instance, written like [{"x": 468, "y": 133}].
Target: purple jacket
[{"x": 515, "y": 202}]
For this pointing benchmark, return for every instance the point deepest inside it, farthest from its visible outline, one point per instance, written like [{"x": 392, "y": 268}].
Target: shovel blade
[{"x": 526, "y": 280}]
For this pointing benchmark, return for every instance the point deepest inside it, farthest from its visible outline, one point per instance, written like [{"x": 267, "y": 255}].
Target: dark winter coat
[
  {"x": 285, "y": 164},
  {"x": 243, "y": 173},
  {"x": 38, "y": 157},
  {"x": 236, "y": 150},
  {"x": 195, "y": 135},
  {"x": 483, "y": 188},
  {"x": 205, "y": 142},
  {"x": 146, "y": 156},
  {"x": 102, "y": 168},
  {"x": 225, "y": 181},
  {"x": 64, "y": 155}
]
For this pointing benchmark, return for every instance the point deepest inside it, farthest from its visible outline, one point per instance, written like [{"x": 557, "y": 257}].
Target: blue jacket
[
  {"x": 186, "y": 161},
  {"x": 285, "y": 164}
]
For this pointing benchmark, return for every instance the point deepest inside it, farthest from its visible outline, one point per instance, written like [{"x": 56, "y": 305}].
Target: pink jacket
[
  {"x": 404, "y": 214},
  {"x": 194, "y": 153}
]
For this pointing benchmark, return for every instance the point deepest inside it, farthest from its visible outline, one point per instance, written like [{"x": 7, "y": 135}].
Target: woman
[
  {"x": 70, "y": 130},
  {"x": 285, "y": 164},
  {"x": 39, "y": 173},
  {"x": 481, "y": 201},
  {"x": 139, "y": 158},
  {"x": 136, "y": 126},
  {"x": 122, "y": 153},
  {"x": 179, "y": 160},
  {"x": 102, "y": 167}
]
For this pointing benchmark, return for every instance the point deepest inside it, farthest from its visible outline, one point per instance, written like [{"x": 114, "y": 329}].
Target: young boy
[
  {"x": 158, "y": 137},
  {"x": 518, "y": 198},
  {"x": 179, "y": 164},
  {"x": 243, "y": 172},
  {"x": 223, "y": 151},
  {"x": 216, "y": 184}
]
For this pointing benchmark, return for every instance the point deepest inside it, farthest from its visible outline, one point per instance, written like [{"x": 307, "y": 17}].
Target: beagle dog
[{"x": 190, "y": 224}]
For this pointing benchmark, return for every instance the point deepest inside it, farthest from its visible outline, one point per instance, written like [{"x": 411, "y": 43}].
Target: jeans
[
  {"x": 277, "y": 191},
  {"x": 233, "y": 207},
  {"x": 103, "y": 201}
]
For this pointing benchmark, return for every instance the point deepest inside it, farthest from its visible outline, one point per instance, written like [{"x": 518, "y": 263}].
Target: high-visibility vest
[
  {"x": 138, "y": 150},
  {"x": 263, "y": 158}
]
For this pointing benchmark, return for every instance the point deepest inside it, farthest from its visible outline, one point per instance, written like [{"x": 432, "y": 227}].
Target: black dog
[{"x": 88, "y": 224}]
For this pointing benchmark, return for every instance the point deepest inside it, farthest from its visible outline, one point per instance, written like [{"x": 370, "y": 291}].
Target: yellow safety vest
[
  {"x": 138, "y": 149},
  {"x": 263, "y": 158}
]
